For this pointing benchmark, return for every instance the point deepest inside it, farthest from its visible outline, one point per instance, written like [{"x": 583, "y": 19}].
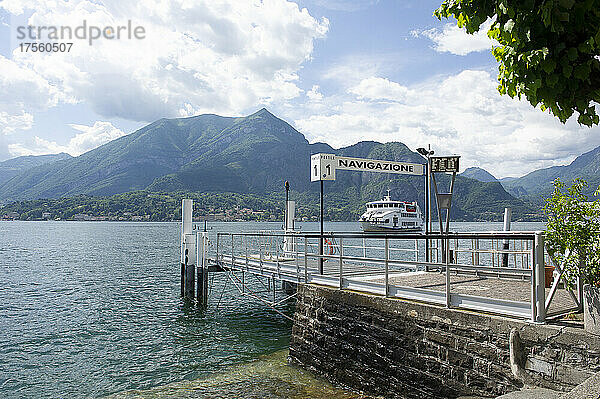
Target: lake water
[{"x": 90, "y": 309}]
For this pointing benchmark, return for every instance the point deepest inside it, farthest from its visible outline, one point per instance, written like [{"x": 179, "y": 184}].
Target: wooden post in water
[
  {"x": 190, "y": 280},
  {"x": 183, "y": 277},
  {"x": 188, "y": 247},
  {"x": 202, "y": 269},
  {"x": 199, "y": 266}
]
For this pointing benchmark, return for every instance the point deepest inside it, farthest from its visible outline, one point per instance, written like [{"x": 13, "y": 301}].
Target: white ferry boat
[{"x": 388, "y": 215}]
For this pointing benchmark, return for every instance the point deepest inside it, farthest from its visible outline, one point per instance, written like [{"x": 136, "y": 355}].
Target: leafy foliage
[
  {"x": 549, "y": 50},
  {"x": 157, "y": 206},
  {"x": 573, "y": 231},
  {"x": 473, "y": 201}
]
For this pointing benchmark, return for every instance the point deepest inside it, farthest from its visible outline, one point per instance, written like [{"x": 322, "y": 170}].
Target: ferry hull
[{"x": 370, "y": 227}]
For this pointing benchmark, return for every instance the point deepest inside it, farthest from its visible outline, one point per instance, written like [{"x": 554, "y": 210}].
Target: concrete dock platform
[{"x": 513, "y": 289}]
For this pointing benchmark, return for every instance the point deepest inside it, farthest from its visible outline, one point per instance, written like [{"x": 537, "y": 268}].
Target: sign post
[
  {"x": 444, "y": 200},
  {"x": 321, "y": 217},
  {"x": 323, "y": 167},
  {"x": 426, "y": 153}
]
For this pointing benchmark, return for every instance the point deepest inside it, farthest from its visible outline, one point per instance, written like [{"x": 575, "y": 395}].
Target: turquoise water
[{"x": 89, "y": 309}]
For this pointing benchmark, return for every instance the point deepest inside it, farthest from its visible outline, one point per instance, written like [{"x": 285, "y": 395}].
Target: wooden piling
[
  {"x": 202, "y": 285},
  {"x": 182, "y": 279},
  {"x": 202, "y": 270},
  {"x": 188, "y": 248},
  {"x": 190, "y": 272},
  {"x": 199, "y": 283}
]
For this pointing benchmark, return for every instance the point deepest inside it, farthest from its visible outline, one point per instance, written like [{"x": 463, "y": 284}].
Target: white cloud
[
  {"x": 4, "y": 152},
  {"x": 314, "y": 94},
  {"x": 89, "y": 138},
  {"x": 21, "y": 90},
  {"x": 353, "y": 68},
  {"x": 379, "y": 89},
  {"x": 455, "y": 40},
  {"x": 92, "y": 137},
  {"x": 346, "y": 5},
  {"x": 461, "y": 114},
  {"x": 197, "y": 56},
  {"x": 37, "y": 146},
  {"x": 11, "y": 122}
]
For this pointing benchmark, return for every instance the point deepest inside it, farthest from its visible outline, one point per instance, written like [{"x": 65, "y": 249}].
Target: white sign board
[
  {"x": 323, "y": 166},
  {"x": 375, "y": 165}
]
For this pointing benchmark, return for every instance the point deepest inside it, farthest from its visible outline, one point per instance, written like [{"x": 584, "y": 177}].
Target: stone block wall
[{"x": 406, "y": 349}]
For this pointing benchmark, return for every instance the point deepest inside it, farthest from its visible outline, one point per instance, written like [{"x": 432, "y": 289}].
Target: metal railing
[{"x": 378, "y": 264}]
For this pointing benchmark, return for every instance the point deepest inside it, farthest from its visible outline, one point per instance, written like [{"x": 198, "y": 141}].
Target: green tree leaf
[{"x": 540, "y": 38}]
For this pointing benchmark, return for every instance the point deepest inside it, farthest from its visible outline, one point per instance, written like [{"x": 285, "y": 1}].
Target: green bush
[{"x": 573, "y": 232}]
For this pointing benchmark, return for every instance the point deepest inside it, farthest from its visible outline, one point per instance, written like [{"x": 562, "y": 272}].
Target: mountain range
[
  {"x": 537, "y": 185},
  {"x": 206, "y": 152},
  {"x": 250, "y": 155},
  {"x": 12, "y": 167}
]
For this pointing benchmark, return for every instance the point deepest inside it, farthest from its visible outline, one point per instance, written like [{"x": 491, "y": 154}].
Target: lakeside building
[{"x": 11, "y": 216}]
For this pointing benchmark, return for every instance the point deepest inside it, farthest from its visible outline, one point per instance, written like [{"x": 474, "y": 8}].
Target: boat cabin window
[{"x": 399, "y": 205}]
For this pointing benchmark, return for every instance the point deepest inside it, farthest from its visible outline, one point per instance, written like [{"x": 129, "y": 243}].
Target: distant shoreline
[{"x": 248, "y": 221}]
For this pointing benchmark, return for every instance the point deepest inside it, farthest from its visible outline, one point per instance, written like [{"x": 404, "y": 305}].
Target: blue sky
[{"x": 339, "y": 71}]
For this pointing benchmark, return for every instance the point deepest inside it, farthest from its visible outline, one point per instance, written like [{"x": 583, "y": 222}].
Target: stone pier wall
[{"x": 406, "y": 349}]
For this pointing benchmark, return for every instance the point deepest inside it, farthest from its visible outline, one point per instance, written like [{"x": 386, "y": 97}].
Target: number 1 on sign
[{"x": 322, "y": 167}]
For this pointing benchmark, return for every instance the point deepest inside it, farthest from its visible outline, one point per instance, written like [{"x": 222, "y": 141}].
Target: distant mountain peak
[
  {"x": 263, "y": 113},
  {"x": 479, "y": 174}
]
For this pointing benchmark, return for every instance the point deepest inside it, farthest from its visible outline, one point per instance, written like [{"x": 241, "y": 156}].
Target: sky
[{"x": 339, "y": 71}]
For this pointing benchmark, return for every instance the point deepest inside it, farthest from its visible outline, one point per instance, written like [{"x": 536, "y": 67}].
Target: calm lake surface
[{"x": 91, "y": 309}]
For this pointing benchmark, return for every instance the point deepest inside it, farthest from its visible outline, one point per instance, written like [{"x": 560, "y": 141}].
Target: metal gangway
[
  {"x": 503, "y": 273},
  {"x": 495, "y": 272}
]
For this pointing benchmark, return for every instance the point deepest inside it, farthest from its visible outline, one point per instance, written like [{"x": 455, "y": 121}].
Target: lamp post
[
  {"x": 285, "y": 212},
  {"x": 426, "y": 154}
]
